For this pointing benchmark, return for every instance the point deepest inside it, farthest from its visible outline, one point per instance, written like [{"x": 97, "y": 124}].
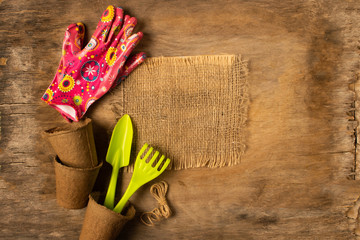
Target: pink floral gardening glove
[{"x": 85, "y": 75}]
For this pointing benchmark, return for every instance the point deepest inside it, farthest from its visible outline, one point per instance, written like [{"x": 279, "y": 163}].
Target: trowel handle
[{"x": 110, "y": 195}]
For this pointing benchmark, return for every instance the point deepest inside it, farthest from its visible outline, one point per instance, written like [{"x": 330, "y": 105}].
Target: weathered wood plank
[{"x": 295, "y": 179}]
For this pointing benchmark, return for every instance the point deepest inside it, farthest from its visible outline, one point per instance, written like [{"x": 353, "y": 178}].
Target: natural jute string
[{"x": 158, "y": 190}]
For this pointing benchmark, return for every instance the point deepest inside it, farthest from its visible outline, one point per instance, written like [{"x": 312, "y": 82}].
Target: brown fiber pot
[
  {"x": 74, "y": 144},
  {"x": 101, "y": 222},
  {"x": 73, "y": 185}
]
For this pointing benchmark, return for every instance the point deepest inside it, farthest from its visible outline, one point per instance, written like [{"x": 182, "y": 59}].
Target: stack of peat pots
[{"x": 76, "y": 169}]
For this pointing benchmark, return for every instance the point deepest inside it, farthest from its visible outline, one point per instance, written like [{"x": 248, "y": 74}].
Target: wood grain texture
[{"x": 299, "y": 173}]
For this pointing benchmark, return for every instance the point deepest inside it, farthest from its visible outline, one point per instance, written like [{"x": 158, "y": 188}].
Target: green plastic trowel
[{"x": 118, "y": 154}]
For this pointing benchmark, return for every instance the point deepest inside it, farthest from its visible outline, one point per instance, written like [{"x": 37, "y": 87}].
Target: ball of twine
[{"x": 158, "y": 191}]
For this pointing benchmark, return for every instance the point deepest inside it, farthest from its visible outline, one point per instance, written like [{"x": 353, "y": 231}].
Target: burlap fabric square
[{"x": 193, "y": 109}]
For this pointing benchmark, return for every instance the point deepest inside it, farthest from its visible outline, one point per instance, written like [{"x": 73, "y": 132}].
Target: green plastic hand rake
[{"x": 143, "y": 172}]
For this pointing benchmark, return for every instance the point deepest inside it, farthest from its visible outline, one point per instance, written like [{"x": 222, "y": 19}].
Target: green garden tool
[
  {"x": 144, "y": 172},
  {"x": 118, "y": 154}
]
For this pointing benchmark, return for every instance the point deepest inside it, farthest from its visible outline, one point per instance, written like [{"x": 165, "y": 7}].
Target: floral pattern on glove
[{"x": 90, "y": 70}]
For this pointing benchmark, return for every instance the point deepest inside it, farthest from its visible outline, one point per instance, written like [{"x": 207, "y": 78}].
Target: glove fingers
[
  {"x": 128, "y": 45},
  {"x": 133, "y": 62},
  {"x": 116, "y": 26},
  {"x": 129, "y": 66},
  {"x": 105, "y": 23},
  {"x": 118, "y": 72},
  {"x": 129, "y": 26},
  {"x": 116, "y": 57},
  {"x": 74, "y": 38},
  {"x": 126, "y": 31}
]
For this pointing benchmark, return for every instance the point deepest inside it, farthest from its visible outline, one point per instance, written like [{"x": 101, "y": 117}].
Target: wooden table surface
[{"x": 300, "y": 172}]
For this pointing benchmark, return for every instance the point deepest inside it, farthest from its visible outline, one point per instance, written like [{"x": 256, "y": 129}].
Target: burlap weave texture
[{"x": 192, "y": 109}]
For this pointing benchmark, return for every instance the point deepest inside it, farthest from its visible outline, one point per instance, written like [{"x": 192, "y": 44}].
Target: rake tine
[
  {"x": 154, "y": 158},
  {"x": 142, "y": 150},
  {"x": 147, "y": 154},
  {"x": 159, "y": 162},
  {"x": 166, "y": 164}
]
